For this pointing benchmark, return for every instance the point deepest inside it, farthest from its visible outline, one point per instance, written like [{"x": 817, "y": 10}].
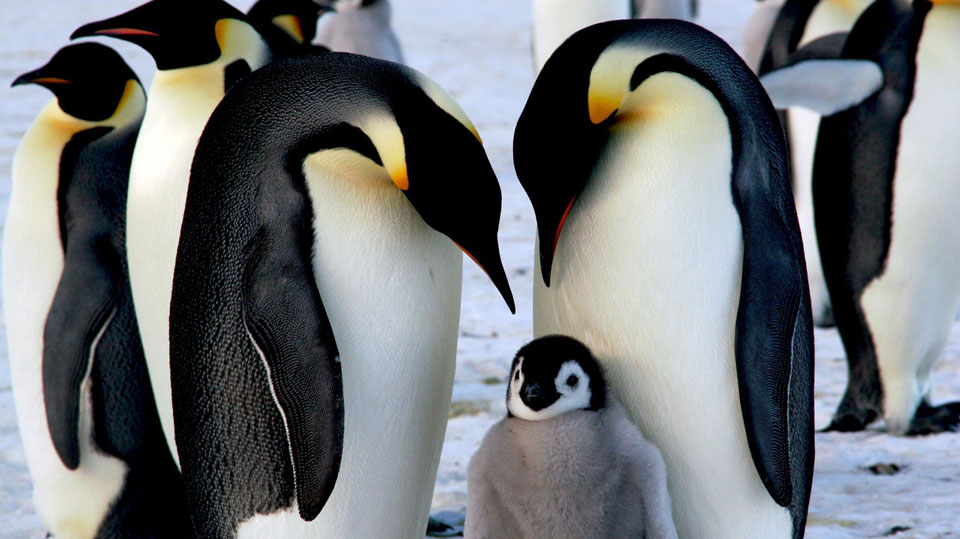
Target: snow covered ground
[{"x": 480, "y": 51}]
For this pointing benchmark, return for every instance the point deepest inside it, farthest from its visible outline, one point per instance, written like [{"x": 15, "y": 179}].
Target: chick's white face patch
[{"x": 571, "y": 383}]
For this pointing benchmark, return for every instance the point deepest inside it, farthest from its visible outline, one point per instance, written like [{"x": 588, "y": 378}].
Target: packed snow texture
[{"x": 867, "y": 484}]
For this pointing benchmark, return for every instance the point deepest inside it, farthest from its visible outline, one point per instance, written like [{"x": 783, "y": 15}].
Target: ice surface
[{"x": 480, "y": 52}]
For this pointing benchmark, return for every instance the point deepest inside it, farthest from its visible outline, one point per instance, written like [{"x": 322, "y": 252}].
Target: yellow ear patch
[
  {"x": 610, "y": 80},
  {"x": 291, "y": 25},
  {"x": 947, "y": 2},
  {"x": 446, "y": 102},
  {"x": 388, "y": 140}
]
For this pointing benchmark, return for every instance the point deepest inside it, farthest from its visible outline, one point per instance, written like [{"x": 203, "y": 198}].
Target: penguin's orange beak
[{"x": 125, "y": 32}]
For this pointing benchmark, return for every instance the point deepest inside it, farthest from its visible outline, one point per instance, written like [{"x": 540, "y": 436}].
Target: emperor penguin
[
  {"x": 886, "y": 182},
  {"x": 668, "y": 243},
  {"x": 288, "y": 26},
  {"x": 555, "y": 20},
  {"x": 91, "y": 435},
  {"x": 797, "y": 25},
  {"x": 360, "y": 27},
  {"x": 316, "y": 298},
  {"x": 201, "y": 49},
  {"x": 566, "y": 462}
]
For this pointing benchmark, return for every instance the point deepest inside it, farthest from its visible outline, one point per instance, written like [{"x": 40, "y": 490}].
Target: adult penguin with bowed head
[
  {"x": 288, "y": 26},
  {"x": 668, "y": 244},
  {"x": 201, "y": 49},
  {"x": 820, "y": 28},
  {"x": 91, "y": 435},
  {"x": 887, "y": 180},
  {"x": 316, "y": 298}
]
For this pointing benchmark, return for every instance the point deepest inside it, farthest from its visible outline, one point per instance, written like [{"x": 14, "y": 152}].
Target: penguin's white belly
[
  {"x": 159, "y": 175},
  {"x": 647, "y": 273},
  {"x": 556, "y": 20},
  {"x": 911, "y": 306},
  {"x": 70, "y": 503},
  {"x": 391, "y": 287}
]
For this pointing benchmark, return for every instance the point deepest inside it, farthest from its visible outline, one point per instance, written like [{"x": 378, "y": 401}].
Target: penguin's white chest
[
  {"x": 70, "y": 503},
  {"x": 391, "y": 288},
  {"x": 647, "y": 273},
  {"x": 911, "y": 305},
  {"x": 180, "y": 103}
]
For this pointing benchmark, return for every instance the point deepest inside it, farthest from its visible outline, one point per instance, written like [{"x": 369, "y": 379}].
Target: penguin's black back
[{"x": 94, "y": 173}]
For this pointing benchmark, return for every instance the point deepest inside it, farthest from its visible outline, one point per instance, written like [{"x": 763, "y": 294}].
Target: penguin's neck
[
  {"x": 204, "y": 84},
  {"x": 37, "y": 162}
]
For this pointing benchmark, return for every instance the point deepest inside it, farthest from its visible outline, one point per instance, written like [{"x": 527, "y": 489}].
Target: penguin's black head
[
  {"x": 553, "y": 375},
  {"x": 296, "y": 18},
  {"x": 88, "y": 79},
  {"x": 446, "y": 176},
  {"x": 177, "y": 33}
]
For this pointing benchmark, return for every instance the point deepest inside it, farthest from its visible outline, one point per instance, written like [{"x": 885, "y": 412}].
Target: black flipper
[
  {"x": 285, "y": 317},
  {"x": 82, "y": 305}
]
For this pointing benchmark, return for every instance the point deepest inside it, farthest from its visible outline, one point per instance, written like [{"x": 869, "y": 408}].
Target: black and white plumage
[
  {"x": 886, "y": 180},
  {"x": 316, "y": 297},
  {"x": 818, "y": 27},
  {"x": 92, "y": 438},
  {"x": 201, "y": 49},
  {"x": 566, "y": 462},
  {"x": 668, "y": 243}
]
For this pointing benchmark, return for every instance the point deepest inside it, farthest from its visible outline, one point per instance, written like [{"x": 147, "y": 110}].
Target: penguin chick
[
  {"x": 566, "y": 461},
  {"x": 361, "y": 27}
]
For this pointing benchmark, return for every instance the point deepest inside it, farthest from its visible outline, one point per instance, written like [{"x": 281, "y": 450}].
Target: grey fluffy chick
[{"x": 566, "y": 462}]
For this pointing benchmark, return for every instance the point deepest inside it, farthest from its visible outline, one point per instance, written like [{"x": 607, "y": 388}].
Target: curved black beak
[
  {"x": 39, "y": 76},
  {"x": 132, "y": 26}
]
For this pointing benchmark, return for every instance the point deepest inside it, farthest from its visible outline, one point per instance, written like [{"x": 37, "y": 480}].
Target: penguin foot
[
  {"x": 446, "y": 524},
  {"x": 852, "y": 421},
  {"x": 935, "y": 419}
]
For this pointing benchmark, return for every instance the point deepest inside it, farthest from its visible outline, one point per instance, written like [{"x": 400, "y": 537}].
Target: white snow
[{"x": 480, "y": 52}]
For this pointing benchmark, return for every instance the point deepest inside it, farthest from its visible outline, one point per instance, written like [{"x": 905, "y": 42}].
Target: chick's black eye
[
  {"x": 572, "y": 380},
  {"x": 516, "y": 376}
]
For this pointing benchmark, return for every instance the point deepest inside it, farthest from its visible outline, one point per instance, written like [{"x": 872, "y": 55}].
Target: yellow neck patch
[
  {"x": 610, "y": 80},
  {"x": 388, "y": 140},
  {"x": 291, "y": 25}
]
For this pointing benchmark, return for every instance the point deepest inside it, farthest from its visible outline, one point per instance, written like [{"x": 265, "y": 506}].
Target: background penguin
[
  {"x": 288, "y": 26},
  {"x": 566, "y": 461},
  {"x": 201, "y": 49},
  {"x": 317, "y": 237},
  {"x": 555, "y": 20},
  {"x": 887, "y": 183},
  {"x": 798, "y": 24},
  {"x": 668, "y": 243},
  {"x": 361, "y": 27},
  {"x": 90, "y": 430}
]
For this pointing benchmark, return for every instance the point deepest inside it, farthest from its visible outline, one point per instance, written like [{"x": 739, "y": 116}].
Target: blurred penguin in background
[
  {"x": 556, "y": 20},
  {"x": 777, "y": 31},
  {"x": 288, "y": 26},
  {"x": 361, "y": 27},
  {"x": 566, "y": 462}
]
